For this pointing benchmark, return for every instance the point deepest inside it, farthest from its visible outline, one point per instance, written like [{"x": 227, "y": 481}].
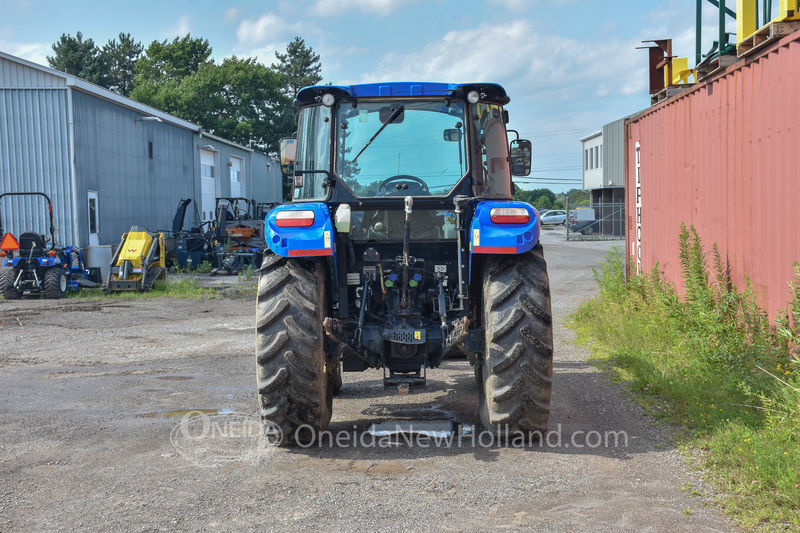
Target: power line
[
  {"x": 556, "y": 132},
  {"x": 556, "y": 169}
]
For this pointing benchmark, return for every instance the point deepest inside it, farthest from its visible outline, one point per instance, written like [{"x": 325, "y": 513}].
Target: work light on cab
[
  {"x": 295, "y": 219},
  {"x": 509, "y": 215}
]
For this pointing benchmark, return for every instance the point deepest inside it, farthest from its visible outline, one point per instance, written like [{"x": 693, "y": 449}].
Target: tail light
[
  {"x": 9, "y": 243},
  {"x": 51, "y": 253},
  {"x": 509, "y": 215},
  {"x": 294, "y": 219},
  {"x": 2, "y": 254}
]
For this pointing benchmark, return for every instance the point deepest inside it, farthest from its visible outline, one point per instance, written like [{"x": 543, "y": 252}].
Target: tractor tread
[
  {"x": 7, "y": 277},
  {"x": 517, "y": 368},
  {"x": 53, "y": 277},
  {"x": 293, "y": 386}
]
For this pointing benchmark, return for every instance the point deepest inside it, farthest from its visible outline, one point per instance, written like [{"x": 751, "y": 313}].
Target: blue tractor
[
  {"x": 402, "y": 246},
  {"x": 34, "y": 264}
]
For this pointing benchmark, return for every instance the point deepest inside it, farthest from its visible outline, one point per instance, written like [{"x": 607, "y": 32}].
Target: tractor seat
[{"x": 31, "y": 244}]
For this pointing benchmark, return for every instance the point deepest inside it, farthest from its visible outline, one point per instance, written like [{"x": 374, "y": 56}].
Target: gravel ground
[{"x": 93, "y": 396}]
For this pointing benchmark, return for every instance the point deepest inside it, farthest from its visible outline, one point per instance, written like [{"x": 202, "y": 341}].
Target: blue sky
[{"x": 569, "y": 66}]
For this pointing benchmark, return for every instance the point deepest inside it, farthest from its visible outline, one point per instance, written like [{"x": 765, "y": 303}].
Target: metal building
[
  {"x": 108, "y": 162},
  {"x": 722, "y": 156},
  {"x": 603, "y": 175}
]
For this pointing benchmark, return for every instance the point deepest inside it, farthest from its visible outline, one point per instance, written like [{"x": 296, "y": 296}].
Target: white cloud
[
  {"x": 34, "y": 52},
  {"x": 181, "y": 28},
  {"x": 329, "y": 8},
  {"x": 231, "y": 14},
  {"x": 252, "y": 33},
  {"x": 521, "y": 58},
  {"x": 525, "y": 5},
  {"x": 265, "y": 54}
]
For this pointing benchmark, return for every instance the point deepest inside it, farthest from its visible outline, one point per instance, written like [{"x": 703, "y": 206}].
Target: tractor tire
[
  {"x": 7, "y": 289},
  {"x": 293, "y": 381},
  {"x": 55, "y": 283},
  {"x": 516, "y": 373}
]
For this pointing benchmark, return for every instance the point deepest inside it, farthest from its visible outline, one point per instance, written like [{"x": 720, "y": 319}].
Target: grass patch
[
  {"x": 186, "y": 288},
  {"x": 725, "y": 372}
]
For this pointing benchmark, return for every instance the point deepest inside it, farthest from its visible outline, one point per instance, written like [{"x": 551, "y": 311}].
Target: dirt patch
[{"x": 86, "y": 389}]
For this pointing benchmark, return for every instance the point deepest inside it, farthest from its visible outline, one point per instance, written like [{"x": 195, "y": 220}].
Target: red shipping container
[{"x": 722, "y": 156}]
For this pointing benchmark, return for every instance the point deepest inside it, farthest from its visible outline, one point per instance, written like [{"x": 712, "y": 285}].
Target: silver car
[{"x": 555, "y": 216}]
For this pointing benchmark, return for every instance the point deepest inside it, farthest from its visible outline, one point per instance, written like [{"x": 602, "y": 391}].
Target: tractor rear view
[
  {"x": 403, "y": 247},
  {"x": 34, "y": 264}
]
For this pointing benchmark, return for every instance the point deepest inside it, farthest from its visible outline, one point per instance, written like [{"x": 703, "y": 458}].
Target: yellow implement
[{"x": 138, "y": 262}]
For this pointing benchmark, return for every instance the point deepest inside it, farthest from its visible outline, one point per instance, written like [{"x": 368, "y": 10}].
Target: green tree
[
  {"x": 543, "y": 202},
  {"x": 163, "y": 67},
  {"x": 80, "y": 58},
  {"x": 540, "y": 198},
  {"x": 239, "y": 99},
  {"x": 578, "y": 197},
  {"x": 120, "y": 59},
  {"x": 299, "y": 67}
]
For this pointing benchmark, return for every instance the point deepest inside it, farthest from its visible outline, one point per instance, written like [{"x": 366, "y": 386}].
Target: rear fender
[
  {"x": 310, "y": 241},
  {"x": 487, "y": 237}
]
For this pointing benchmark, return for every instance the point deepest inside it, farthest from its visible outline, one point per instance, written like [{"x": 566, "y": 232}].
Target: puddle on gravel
[
  {"x": 175, "y": 378},
  {"x": 179, "y": 413}
]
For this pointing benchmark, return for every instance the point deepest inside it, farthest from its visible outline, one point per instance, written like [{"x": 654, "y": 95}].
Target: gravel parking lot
[{"x": 94, "y": 434}]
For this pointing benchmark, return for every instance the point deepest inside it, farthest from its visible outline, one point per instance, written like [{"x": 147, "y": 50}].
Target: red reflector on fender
[
  {"x": 309, "y": 253},
  {"x": 509, "y": 215},
  {"x": 494, "y": 249},
  {"x": 9, "y": 243},
  {"x": 294, "y": 219}
]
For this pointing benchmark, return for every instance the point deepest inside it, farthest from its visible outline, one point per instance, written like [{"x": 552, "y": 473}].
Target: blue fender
[
  {"x": 487, "y": 237},
  {"x": 314, "y": 240}
]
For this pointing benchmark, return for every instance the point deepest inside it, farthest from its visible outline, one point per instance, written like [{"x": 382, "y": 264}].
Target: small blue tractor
[
  {"x": 34, "y": 264},
  {"x": 402, "y": 247}
]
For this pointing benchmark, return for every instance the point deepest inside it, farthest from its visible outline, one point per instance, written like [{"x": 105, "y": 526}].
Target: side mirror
[
  {"x": 520, "y": 153},
  {"x": 288, "y": 151},
  {"x": 452, "y": 135}
]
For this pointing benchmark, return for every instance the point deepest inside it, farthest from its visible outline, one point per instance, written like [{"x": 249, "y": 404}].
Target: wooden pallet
[
  {"x": 768, "y": 34},
  {"x": 708, "y": 68},
  {"x": 668, "y": 92}
]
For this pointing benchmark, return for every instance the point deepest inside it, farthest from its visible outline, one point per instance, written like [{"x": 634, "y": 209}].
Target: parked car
[
  {"x": 585, "y": 227},
  {"x": 554, "y": 216}
]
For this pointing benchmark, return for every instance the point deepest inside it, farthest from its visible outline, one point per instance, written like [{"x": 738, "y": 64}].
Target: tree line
[
  {"x": 238, "y": 98},
  {"x": 546, "y": 199}
]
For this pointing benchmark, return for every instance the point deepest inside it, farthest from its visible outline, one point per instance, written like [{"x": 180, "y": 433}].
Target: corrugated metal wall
[
  {"x": 14, "y": 74},
  {"x": 112, "y": 157},
  {"x": 723, "y": 157},
  {"x": 261, "y": 176},
  {"x": 266, "y": 182},
  {"x": 34, "y": 157},
  {"x": 614, "y": 154}
]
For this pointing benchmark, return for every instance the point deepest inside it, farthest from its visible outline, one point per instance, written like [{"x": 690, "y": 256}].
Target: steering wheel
[{"x": 384, "y": 185}]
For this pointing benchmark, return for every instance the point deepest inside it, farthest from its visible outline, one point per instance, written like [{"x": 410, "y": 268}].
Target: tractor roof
[{"x": 490, "y": 92}]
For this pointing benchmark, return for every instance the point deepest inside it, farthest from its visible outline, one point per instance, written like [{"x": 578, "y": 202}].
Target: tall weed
[{"x": 728, "y": 374}]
